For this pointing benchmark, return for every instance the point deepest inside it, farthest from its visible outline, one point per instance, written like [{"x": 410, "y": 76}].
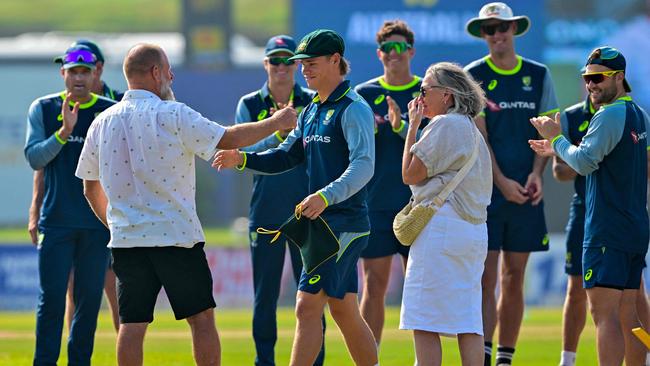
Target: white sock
[
  {"x": 647, "y": 359},
  {"x": 568, "y": 358}
]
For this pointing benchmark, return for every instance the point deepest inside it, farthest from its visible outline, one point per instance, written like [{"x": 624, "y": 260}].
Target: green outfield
[
  {"x": 168, "y": 341},
  {"x": 214, "y": 236}
]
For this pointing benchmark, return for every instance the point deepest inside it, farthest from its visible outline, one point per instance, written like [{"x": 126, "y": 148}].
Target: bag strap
[{"x": 440, "y": 199}]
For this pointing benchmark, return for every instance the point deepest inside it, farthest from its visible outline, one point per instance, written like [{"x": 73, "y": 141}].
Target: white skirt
[{"x": 442, "y": 285}]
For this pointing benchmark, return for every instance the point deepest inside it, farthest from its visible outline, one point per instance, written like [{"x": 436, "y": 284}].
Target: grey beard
[{"x": 168, "y": 94}]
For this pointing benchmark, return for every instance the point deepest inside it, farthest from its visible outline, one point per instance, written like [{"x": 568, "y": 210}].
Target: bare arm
[
  {"x": 246, "y": 134},
  {"x": 562, "y": 171},
  {"x": 35, "y": 208},
  {"x": 413, "y": 169},
  {"x": 511, "y": 190},
  {"x": 97, "y": 199}
]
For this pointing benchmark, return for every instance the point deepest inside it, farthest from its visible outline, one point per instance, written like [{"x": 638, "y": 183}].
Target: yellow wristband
[
  {"x": 279, "y": 136},
  {"x": 59, "y": 139},
  {"x": 401, "y": 127},
  {"x": 555, "y": 139},
  {"x": 324, "y": 198},
  {"x": 243, "y": 165}
]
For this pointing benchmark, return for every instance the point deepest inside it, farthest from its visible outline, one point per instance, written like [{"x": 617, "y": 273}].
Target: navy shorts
[
  {"x": 382, "y": 241},
  {"x": 517, "y": 228},
  {"x": 338, "y": 275},
  {"x": 575, "y": 230},
  {"x": 612, "y": 268}
]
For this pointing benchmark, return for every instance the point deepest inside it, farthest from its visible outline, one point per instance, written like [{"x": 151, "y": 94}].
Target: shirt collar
[
  {"x": 139, "y": 94},
  {"x": 265, "y": 92},
  {"x": 339, "y": 92}
]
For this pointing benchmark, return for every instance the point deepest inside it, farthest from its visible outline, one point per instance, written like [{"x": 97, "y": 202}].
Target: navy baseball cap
[
  {"x": 321, "y": 42},
  {"x": 77, "y": 56},
  {"x": 611, "y": 58},
  {"x": 93, "y": 47},
  {"x": 280, "y": 43}
]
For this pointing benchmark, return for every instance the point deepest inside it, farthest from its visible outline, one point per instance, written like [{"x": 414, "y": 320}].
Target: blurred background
[{"x": 216, "y": 51}]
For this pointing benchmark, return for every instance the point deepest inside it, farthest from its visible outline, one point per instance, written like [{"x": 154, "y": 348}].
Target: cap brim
[
  {"x": 278, "y": 50},
  {"x": 473, "y": 26},
  {"x": 302, "y": 56},
  {"x": 75, "y": 64}
]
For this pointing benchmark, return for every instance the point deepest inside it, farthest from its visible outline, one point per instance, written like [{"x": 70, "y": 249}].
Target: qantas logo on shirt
[
  {"x": 317, "y": 138},
  {"x": 496, "y": 107},
  {"x": 78, "y": 139},
  {"x": 636, "y": 137}
]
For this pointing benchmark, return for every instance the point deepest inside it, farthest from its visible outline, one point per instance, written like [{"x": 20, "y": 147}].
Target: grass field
[
  {"x": 168, "y": 341},
  {"x": 214, "y": 236}
]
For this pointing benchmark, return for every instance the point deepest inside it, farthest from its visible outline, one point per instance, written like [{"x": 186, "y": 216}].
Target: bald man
[{"x": 139, "y": 158}]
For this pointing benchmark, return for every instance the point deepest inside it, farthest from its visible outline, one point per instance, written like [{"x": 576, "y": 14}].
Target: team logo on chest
[
  {"x": 328, "y": 117},
  {"x": 526, "y": 80}
]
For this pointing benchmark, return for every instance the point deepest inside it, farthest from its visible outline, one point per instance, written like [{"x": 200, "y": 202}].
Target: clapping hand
[
  {"x": 70, "y": 116},
  {"x": 394, "y": 113}
]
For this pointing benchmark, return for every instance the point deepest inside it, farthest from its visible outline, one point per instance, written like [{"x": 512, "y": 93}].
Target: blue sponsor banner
[
  {"x": 18, "y": 277},
  {"x": 439, "y": 27}
]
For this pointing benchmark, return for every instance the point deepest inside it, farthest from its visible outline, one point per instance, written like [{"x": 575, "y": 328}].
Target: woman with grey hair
[{"x": 442, "y": 288}]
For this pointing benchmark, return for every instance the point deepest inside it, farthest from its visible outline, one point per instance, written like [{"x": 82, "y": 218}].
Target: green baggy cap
[
  {"x": 314, "y": 238},
  {"x": 321, "y": 42}
]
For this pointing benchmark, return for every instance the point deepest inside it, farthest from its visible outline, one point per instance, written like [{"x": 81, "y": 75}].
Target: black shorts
[
  {"x": 517, "y": 228},
  {"x": 141, "y": 272}
]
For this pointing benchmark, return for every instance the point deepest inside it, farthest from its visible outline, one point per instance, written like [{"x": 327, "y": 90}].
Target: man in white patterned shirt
[{"x": 139, "y": 178}]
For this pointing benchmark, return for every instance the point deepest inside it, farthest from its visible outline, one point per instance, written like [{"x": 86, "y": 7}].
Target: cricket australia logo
[
  {"x": 526, "y": 80},
  {"x": 301, "y": 47},
  {"x": 328, "y": 117}
]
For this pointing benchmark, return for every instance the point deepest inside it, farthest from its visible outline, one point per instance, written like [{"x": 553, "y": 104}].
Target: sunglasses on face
[
  {"x": 490, "y": 30},
  {"x": 399, "y": 47},
  {"x": 275, "y": 61},
  {"x": 80, "y": 56},
  {"x": 423, "y": 89},
  {"x": 598, "y": 77}
]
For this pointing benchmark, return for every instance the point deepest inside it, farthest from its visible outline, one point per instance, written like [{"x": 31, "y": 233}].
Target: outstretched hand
[{"x": 227, "y": 159}]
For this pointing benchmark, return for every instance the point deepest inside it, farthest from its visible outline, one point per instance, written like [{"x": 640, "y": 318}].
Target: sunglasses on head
[
  {"x": 80, "y": 56},
  {"x": 598, "y": 77},
  {"x": 275, "y": 61},
  {"x": 399, "y": 47},
  {"x": 490, "y": 30}
]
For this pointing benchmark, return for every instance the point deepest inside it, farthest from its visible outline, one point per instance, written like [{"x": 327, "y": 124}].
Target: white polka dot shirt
[{"x": 142, "y": 152}]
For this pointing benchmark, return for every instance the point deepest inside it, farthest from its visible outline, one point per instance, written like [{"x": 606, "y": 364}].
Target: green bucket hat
[
  {"x": 314, "y": 238},
  {"x": 321, "y": 42}
]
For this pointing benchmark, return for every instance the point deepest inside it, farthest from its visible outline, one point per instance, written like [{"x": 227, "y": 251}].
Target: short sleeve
[
  {"x": 198, "y": 134},
  {"x": 88, "y": 165},
  {"x": 446, "y": 144}
]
